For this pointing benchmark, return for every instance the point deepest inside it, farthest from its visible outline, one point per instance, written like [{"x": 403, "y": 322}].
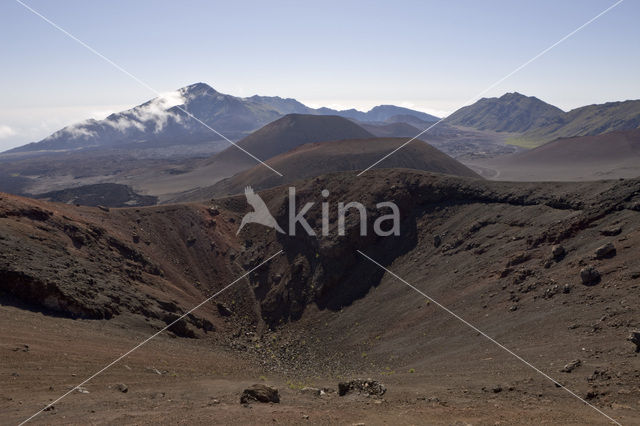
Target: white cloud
[
  {"x": 75, "y": 131},
  {"x": 154, "y": 112},
  {"x": 6, "y": 131},
  {"x": 80, "y": 131},
  {"x": 122, "y": 124}
]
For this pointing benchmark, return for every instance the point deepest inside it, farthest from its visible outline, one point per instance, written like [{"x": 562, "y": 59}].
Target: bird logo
[{"x": 260, "y": 214}]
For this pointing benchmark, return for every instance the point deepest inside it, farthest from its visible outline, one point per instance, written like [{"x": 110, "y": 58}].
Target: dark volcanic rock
[
  {"x": 260, "y": 393},
  {"x": 180, "y": 327},
  {"x": 558, "y": 252},
  {"x": 518, "y": 259},
  {"x": 612, "y": 231},
  {"x": 571, "y": 366},
  {"x": 368, "y": 387},
  {"x": 634, "y": 337},
  {"x": 605, "y": 251},
  {"x": 590, "y": 275},
  {"x": 101, "y": 195},
  {"x": 223, "y": 310}
]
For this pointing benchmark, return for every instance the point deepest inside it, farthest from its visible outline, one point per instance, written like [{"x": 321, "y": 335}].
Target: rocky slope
[
  {"x": 590, "y": 120},
  {"x": 488, "y": 251},
  {"x": 511, "y": 112},
  {"x": 533, "y": 122}
]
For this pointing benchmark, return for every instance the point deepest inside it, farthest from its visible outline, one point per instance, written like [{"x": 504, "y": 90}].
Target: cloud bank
[
  {"x": 155, "y": 113},
  {"x": 6, "y": 131}
]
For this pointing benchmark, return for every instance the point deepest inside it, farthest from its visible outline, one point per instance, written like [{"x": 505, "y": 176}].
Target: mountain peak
[
  {"x": 198, "y": 89},
  {"x": 514, "y": 95},
  {"x": 511, "y": 112}
]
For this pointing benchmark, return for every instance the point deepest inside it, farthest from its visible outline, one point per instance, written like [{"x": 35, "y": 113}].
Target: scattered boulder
[
  {"x": 591, "y": 394},
  {"x": 505, "y": 272},
  {"x": 612, "y": 231},
  {"x": 558, "y": 252},
  {"x": 260, "y": 393},
  {"x": 571, "y": 366},
  {"x": 223, "y": 310},
  {"x": 605, "y": 251},
  {"x": 634, "y": 337},
  {"x": 22, "y": 348},
  {"x": 311, "y": 391},
  {"x": 180, "y": 327},
  {"x": 590, "y": 276},
  {"x": 122, "y": 387},
  {"x": 361, "y": 386},
  {"x": 518, "y": 259},
  {"x": 437, "y": 240}
]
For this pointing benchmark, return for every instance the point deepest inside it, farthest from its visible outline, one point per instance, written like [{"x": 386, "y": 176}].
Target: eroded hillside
[{"x": 485, "y": 250}]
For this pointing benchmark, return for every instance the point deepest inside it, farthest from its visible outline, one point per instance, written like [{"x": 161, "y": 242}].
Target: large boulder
[
  {"x": 590, "y": 275},
  {"x": 368, "y": 387},
  {"x": 558, "y": 252},
  {"x": 260, "y": 393},
  {"x": 605, "y": 251}
]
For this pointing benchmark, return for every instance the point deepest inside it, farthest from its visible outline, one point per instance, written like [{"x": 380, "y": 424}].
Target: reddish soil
[{"x": 80, "y": 286}]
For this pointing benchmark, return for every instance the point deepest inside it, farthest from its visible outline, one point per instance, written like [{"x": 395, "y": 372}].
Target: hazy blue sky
[{"x": 429, "y": 55}]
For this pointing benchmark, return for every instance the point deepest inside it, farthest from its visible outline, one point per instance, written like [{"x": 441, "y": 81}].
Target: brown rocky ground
[{"x": 82, "y": 286}]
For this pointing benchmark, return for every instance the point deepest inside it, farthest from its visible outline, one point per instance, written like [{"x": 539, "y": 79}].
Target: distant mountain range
[
  {"x": 535, "y": 122},
  {"x": 162, "y": 122},
  {"x": 590, "y": 120},
  {"x": 163, "y": 128}
]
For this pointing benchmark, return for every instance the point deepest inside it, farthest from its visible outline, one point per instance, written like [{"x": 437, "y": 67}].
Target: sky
[{"x": 432, "y": 56}]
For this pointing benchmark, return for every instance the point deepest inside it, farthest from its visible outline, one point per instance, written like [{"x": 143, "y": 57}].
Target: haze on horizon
[{"x": 430, "y": 56}]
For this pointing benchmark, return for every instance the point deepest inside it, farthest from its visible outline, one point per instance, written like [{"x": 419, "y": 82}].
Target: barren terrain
[{"x": 80, "y": 286}]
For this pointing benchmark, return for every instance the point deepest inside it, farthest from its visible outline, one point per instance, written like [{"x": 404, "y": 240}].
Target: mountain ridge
[
  {"x": 167, "y": 121},
  {"x": 534, "y": 122},
  {"x": 512, "y": 112},
  {"x": 590, "y": 120}
]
